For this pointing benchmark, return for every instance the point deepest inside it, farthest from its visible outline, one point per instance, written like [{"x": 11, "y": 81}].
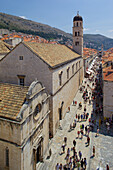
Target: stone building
[
  {"x": 59, "y": 68},
  {"x": 78, "y": 34},
  {"x": 108, "y": 92},
  {"x": 24, "y": 125}
]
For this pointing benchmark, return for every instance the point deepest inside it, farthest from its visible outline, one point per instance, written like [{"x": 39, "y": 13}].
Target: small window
[
  {"x": 78, "y": 33},
  {"x": 79, "y": 63},
  {"x": 60, "y": 78},
  {"x": 77, "y": 43},
  {"x": 21, "y": 81},
  {"x": 20, "y": 57},
  {"x": 77, "y": 24},
  {"x": 77, "y": 66},
  {"x": 37, "y": 111},
  {"x": 73, "y": 67},
  {"x": 75, "y": 33},
  {"x": 68, "y": 73},
  {"x": 7, "y": 157}
]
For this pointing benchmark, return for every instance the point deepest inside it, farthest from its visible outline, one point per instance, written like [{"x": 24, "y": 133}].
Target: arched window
[
  {"x": 7, "y": 157},
  {"x": 80, "y": 24},
  {"x": 73, "y": 67},
  {"x": 77, "y": 66},
  {"x": 60, "y": 78},
  {"x": 78, "y": 33},
  {"x": 68, "y": 72},
  {"x": 77, "y": 24},
  {"x": 75, "y": 33}
]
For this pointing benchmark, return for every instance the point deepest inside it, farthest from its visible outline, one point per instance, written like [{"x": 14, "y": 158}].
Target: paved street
[
  {"x": 103, "y": 143},
  {"x": 57, "y": 141}
]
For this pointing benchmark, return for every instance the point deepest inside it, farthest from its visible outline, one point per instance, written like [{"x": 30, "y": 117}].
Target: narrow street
[{"x": 102, "y": 142}]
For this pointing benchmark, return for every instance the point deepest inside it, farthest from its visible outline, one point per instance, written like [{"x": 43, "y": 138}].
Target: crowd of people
[{"x": 92, "y": 94}]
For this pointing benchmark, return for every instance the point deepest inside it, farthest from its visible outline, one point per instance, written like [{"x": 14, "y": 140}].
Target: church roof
[
  {"x": 77, "y": 18},
  {"x": 11, "y": 100},
  {"x": 53, "y": 54},
  {"x": 4, "y": 47}
]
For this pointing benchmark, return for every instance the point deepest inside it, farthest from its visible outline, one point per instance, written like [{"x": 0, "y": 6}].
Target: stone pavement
[
  {"x": 103, "y": 143},
  {"x": 57, "y": 141}
]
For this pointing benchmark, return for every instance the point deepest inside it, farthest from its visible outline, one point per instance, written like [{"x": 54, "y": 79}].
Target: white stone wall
[
  {"x": 32, "y": 129},
  {"x": 66, "y": 92},
  {"x": 31, "y": 66},
  {"x": 108, "y": 99}
]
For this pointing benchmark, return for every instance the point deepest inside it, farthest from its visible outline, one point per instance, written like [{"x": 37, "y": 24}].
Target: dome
[{"x": 77, "y": 18}]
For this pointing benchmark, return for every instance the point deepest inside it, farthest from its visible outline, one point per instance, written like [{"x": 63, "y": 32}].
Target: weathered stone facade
[
  {"x": 24, "y": 140},
  {"x": 108, "y": 99},
  {"x": 33, "y": 67}
]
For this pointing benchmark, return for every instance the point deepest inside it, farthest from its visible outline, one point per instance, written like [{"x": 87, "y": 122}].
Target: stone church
[
  {"x": 59, "y": 68},
  {"x": 24, "y": 125}
]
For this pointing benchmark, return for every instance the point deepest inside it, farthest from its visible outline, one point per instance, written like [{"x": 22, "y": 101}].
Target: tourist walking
[
  {"x": 63, "y": 148},
  {"x": 85, "y": 163},
  {"x": 74, "y": 143},
  {"x": 65, "y": 140},
  {"x": 57, "y": 166},
  {"x": 82, "y": 163},
  {"x": 107, "y": 167},
  {"x": 80, "y": 154},
  {"x": 93, "y": 151},
  {"x": 88, "y": 140}
]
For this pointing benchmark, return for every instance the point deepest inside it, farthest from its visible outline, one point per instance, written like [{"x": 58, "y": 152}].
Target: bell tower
[{"x": 78, "y": 34}]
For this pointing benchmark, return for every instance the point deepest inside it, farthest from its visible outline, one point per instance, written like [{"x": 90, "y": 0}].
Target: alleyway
[{"x": 102, "y": 143}]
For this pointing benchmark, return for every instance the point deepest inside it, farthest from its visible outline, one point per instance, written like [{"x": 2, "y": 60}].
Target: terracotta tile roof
[
  {"x": 108, "y": 74},
  {"x": 4, "y": 47},
  {"x": 52, "y": 54},
  {"x": 11, "y": 99}
]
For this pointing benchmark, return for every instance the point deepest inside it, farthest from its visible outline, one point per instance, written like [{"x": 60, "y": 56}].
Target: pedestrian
[
  {"x": 57, "y": 166},
  {"x": 81, "y": 117},
  {"x": 93, "y": 151},
  {"x": 80, "y": 154},
  {"x": 97, "y": 134},
  {"x": 67, "y": 158},
  {"x": 88, "y": 140},
  {"x": 83, "y": 126},
  {"x": 82, "y": 163},
  {"x": 85, "y": 109},
  {"x": 78, "y": 165},
  {"x": 82, "y": 134},
  {"x": 68, "y": 151},
  {"x": 74, "y": 151},
  {"x": 61, "y": 167},
  {"x": 63, "y": 148},
  {"x": 50, "y": 152},
  {"x": 78, "y": 117},
  {"x": 78, "y": 133},
  {"x": 74, "y": 143},
  {"x": 85, "y": 163},
  {"x": 74, "y": 163},
  {"x": 65, "y": 140},
  {"x": 70, "y": 163},
  {"x": 85, "y": 130},
  {"x": 107, "y": 167}
]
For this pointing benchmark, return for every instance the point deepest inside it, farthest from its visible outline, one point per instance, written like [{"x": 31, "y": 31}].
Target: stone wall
[{"x": 108, "y": 99}]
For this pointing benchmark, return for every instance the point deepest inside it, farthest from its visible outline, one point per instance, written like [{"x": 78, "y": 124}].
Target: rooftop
[
  {"x": 4, "y": 47},
  {"x": 11, "y": 100},
  {"x": 52, "y": 54},
  {"x": 108, "y": 74}
]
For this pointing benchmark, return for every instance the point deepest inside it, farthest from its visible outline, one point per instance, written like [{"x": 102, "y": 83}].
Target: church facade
[{"x": 24, "y": 125}]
